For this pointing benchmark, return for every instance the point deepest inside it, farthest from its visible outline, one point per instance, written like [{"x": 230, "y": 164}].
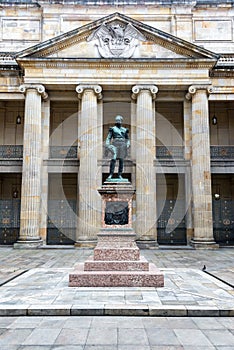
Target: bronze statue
[{"x": 117, "y": 142}]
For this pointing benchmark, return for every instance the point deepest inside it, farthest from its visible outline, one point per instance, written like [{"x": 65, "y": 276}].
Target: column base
[
  {"x": 147, "y": 244},
  {"x": 197, "y": 244},
  {"x": 189, "y": 234},
  {"x": 28, "y": 244},
  {"x": 86, "y": 244}
]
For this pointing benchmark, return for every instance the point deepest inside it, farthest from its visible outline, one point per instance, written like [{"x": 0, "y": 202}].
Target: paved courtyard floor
[
  {"x": 116, "y": 333},
  {"x": 40, "y": 311}
]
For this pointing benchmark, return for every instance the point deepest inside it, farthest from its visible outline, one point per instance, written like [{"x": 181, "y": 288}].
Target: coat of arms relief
[{"x": 116, "y": 40}]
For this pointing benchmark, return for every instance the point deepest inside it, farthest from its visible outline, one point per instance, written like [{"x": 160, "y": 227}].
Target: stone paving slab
[
  {"x": 218, "y": 261},
  {"x": 116, "y": 333},
  {"x": 45, "y": 292}
]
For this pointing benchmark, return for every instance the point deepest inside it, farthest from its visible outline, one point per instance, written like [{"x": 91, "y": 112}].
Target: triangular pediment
[{"x": 116, "y": 36}]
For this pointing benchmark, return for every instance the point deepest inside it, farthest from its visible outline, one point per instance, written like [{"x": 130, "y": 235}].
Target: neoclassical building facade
[{"x": 67, "y": 69}]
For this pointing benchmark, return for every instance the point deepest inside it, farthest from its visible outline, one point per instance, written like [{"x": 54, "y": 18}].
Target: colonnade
[{"x": 34, "y": 183}]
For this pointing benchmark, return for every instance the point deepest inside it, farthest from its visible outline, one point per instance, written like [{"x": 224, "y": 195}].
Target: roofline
[{"x": 151, "y": 30}]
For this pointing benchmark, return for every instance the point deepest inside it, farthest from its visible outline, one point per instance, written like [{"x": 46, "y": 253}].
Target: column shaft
[
  {"x": 187, "y": 157},
  {"x": 31, "y": 175},
  {"x": 89, "y": 213},
  {"x": 201, "y": 174},
  {"x": 187, "y": 129},
  {"x": 145, "y": 172},
  {"x": 44, "y": 168}
]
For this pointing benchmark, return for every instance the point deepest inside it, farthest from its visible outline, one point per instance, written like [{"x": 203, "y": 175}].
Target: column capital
[
  {"x": 97, "y": 89},
  {"x": 40, "y": 89},
  {"x": 136, "y": 89},
  {"x": 194, "y": 88}
]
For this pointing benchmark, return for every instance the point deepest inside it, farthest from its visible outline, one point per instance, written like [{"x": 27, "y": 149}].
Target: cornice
[
  {"x": 61, "y": 46},
  {"x": 172, "y": 46},
  {"x": 148, "y": 64}
]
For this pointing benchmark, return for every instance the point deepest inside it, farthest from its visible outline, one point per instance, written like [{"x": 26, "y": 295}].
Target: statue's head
[{"x": 118, "y": 119}]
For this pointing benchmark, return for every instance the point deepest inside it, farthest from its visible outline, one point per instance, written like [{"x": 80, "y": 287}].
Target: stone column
[
  {"x": 89, "y": 203},
  {"x": 201, "y": 174},
  {"x": 45, "y": 140},
  {"x": 146, "y": 216},
  {"x": 31, "y": 174},
  {"x": 187, "y": 157}
]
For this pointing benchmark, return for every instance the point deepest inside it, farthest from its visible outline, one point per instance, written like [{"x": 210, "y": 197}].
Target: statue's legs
[
  {"x": 112, "y": 168},
  {"x": 121, "y": 163}
]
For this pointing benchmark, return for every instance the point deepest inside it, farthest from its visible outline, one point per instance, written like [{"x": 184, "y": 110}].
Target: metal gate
[
  {"x": 61, "y": 223},
  {"x": 223, "y": 221},
  {"x": 171, "y": 228},
  {"x": 9, "y": 221}
]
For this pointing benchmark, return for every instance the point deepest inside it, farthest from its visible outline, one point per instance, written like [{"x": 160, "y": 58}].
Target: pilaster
[
  {"x": 89, "y": 178},
  {"x": 145, "y": 172},
  {"x": 201, "y": 173},
  {"x": 31, "y": 174}
]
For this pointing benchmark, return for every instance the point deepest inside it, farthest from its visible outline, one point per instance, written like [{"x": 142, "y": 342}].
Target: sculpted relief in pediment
[{"x": 116, "y": 40}]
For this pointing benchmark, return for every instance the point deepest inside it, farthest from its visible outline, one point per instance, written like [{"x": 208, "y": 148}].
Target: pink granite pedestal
[{"x": 116, "y": 261}]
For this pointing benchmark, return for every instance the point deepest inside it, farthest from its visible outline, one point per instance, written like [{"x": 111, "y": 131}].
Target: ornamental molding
[
  {"x": 118, "y": 64},
  {"x": 153, "y": 89},
  {"x": 97, "y": 89},
  {"x": 61, "y": 46},
  {"x": 39, "y": 88}
]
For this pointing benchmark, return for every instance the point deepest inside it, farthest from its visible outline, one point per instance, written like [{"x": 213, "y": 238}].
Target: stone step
[
  {"x": 151, "y": 278},
  {"x": 141, "y": 265},
  {"x": 110, "y": 254}
]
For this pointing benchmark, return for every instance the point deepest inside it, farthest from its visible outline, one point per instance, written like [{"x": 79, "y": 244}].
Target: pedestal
[{"x": 116, "y": 261}]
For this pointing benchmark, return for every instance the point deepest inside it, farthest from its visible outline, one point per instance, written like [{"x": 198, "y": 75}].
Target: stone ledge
[
  {"x": 81, "y": 278},
  {"x": 116, "y": 310},
  {"x": 116, "y": 254},
  {"x": 141, "y": 265}
]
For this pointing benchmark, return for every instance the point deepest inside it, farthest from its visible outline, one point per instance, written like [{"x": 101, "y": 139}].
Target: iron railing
[
  {"x": 11, "y": 151},
  {"x": 222, "y": 152},
  {"x": 62, "y": 152},
  {"x": 162, "y": 152},
  {"x": 170, "y": 152}
]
